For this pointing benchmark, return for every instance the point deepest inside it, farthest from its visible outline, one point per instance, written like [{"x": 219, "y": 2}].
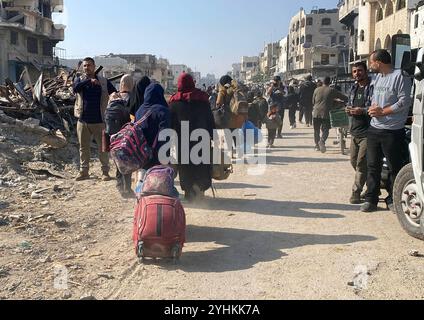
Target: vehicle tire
[{"x": 409, "y": 208}]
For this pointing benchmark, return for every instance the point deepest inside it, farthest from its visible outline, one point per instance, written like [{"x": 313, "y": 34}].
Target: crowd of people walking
[{"x": 378, "y": 109}]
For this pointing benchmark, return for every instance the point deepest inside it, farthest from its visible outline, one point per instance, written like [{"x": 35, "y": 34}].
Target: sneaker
[
  {"x": 317, "y": 148},
  {"x": 390, "y": 205},
  {"x": 82, "y": 176},
  {"x": 106, "y": 177},
  {"x": 292, "y": 127},
  {"x": 356, "y": 199},
  {"x": 322, "y": 147},
  {"x": 369, "y": 207}
]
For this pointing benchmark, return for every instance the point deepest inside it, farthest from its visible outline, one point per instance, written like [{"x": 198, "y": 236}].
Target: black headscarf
[
  {"x": 225, "y": 80},
  {"x": 137, "y": 95}
]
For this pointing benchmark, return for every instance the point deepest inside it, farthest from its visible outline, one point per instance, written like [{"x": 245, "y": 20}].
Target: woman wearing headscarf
[
  {"x": 116, "y": 116},
  {"x": 192, "y": 105},
  {"x": 159, "y": 118},
  {"x": 137, "y": 95}
]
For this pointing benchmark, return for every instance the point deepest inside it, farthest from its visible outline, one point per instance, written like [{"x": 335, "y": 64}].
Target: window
[
  {"x": 325, "y": 59},
  {"x": 326, "y": 22},
  {"x": 14, "y": 38},
  {"x": 416, "y": 22},
  {"x": 342, "y": 40},
  {"x": 32, "y": 45},
  {"x": 297, "y": 41},
  {"x": 47, "y": 48},
  {"x": 249, "y": 65},
  {"x": 302, "y": 40},
  {"x": 400, "y": 4},
  {"x": 379, "y": 14},
  {"x": 333, "y": 40},
  {"x": 309, "y": 38},
  {"x": 309, "y": 21},
  {"x": 389, "y": 8},
  {"x": 362, "y": 36}
]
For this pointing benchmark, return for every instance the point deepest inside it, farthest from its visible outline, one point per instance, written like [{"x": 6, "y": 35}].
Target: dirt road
[{"x": 287, "y": 234}]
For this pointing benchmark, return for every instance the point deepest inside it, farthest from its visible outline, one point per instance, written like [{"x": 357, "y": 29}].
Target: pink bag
[{"x": 130, "y": 149}]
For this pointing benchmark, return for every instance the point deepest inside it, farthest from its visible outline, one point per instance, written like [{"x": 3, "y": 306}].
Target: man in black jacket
[
  {"x": 306, "y": 94},
  {"x": 359, "y": 99}
]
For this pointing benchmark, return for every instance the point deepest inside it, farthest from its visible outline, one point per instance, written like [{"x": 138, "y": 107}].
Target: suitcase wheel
[
  {"x": 176, "y": 252},
  {"x": 140, "y": 250}
]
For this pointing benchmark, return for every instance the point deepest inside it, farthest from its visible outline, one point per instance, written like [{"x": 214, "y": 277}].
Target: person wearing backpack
[
  {"x": 116, "y": 116},
  {"x": 221, "y": 108},
  {"x": 191, "y": 105},
  {"x": 158, "y": 115}
]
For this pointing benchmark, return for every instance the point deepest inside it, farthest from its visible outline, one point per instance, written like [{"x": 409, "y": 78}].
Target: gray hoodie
[{"x": 392, "y": 90}]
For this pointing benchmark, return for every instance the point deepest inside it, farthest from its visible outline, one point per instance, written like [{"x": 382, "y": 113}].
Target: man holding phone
[
  {"x": 92, "y": 92},
  {"x": 357, "y": 109},
  {"x": 389, "y": 111}
]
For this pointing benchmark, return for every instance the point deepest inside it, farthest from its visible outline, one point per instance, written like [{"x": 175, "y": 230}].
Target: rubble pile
[{"x": 37, "y": 129}]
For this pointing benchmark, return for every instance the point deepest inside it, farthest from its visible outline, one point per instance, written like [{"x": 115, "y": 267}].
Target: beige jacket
[
  {"x": 103, "y": 101},
  {"x": 224, "y": 97}
]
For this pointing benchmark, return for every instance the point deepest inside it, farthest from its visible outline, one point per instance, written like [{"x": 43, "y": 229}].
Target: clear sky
[{"x": 208, "y": 36}]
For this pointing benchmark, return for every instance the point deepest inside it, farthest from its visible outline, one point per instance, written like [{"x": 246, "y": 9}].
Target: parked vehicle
[{"x": 408, "y": 193}]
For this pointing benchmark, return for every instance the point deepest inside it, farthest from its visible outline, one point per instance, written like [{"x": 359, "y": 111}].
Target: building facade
[
  {"x": 379, "y": 21},
  {"x": 249, "y": 68},
  {"x": 417, "y": 26},
  {"x": 318, "y": 44},
  {"x": 268, "y": 59},
  {"x": 236, "y": 71},
  {"x": 28, "y": 37},
  {"x": 349, "y": 16},
  {"x": 282, "y": 59}
]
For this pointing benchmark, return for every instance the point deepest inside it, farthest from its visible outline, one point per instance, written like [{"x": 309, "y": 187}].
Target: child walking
[{"x": 273, "y": 122}]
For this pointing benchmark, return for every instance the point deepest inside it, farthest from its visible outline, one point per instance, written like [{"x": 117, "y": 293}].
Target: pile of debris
[
  {"x": 37, "y": 127},
  {"x": 44, "y": 108}
]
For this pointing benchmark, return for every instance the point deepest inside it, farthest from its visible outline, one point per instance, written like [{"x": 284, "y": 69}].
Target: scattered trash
[
  {"x": 35, "y": 196},
  {"x": 61, "y": 223},
  {"x": 415, "y": 253},
  {"x": 66, "y": 295},
  {"x": 4, "y": 272},
  {"x": 25, "y": 245},
  {"x": 106, "y": 276},
  {"x": 45, "y": 260}
]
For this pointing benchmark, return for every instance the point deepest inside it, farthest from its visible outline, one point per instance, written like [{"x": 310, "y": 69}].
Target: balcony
[
  {"x": 348, "y": 11},
  {"x": 57, "y": 6},
  {"x": 58, "y": 34}
]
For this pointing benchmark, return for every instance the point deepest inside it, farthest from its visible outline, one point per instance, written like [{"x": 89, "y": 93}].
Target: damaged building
[{"x": 28, "y": 37}]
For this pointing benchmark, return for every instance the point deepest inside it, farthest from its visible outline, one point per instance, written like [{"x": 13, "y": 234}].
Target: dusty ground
[{"x": 287, "y": 234}]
